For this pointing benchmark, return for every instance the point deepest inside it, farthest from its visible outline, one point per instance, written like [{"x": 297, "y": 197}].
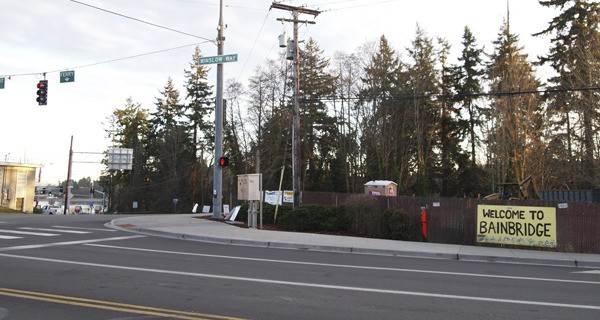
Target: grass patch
[{"x": 7, "y": 210}]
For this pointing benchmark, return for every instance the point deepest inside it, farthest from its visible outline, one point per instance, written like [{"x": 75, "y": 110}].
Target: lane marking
[
  {"x": 589, "y": 272},
  {"x": 30, "y": 233},
  {"x": 108, "y": 305},
  {"x": 92, "y": 229},
  {"x": 55, "y": 230},
  {"x": 9, "y": 237},
  {"x": 67, "y": 243},
  {"x": 348, "y": 266},
  {"x": 311, "y": 285}
]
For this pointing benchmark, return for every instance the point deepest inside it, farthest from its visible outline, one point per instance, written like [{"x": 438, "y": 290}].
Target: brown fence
[{"x": 454, "y": 220}]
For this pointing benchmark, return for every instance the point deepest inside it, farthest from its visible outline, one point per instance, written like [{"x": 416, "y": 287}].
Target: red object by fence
[{"x": 424, "y": 224}]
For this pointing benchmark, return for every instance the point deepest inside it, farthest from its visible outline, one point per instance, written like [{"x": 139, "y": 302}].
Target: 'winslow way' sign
[{"x": 218, "y": 59}]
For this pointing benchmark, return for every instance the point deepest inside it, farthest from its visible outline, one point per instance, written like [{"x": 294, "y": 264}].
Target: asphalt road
[{"x": 72, "y": 267}]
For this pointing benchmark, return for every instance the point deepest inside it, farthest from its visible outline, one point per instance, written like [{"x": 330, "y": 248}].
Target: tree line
[{"x": 433, "y": 126}]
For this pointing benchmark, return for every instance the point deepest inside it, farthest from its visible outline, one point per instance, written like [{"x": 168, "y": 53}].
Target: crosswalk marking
[
  {"x": 30, "y": 233},
  {"x": 55, "y": 230},
  {"x": 78, "y": 228}
]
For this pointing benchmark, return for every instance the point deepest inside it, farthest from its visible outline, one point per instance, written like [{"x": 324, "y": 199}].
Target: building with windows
[{"x": 17, "y": 183}]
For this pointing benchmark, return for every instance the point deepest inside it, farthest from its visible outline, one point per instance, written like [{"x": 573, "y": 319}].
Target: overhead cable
[
  {"x": 106, "y": 61},
  {"x": 142, "y": 21}
]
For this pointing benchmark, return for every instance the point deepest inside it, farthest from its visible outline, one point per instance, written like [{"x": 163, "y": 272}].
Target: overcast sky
[{"x": 39, "y": 36}]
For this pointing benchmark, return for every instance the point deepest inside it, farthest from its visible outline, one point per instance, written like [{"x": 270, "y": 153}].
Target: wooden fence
[{"x": 454, "y": 220}]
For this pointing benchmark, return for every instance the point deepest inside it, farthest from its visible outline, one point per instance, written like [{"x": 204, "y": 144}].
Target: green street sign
[
  {"x": 218, "y": 59},
  {"x": 1, "y": 83},
  {"x": 67, "y": 76}
]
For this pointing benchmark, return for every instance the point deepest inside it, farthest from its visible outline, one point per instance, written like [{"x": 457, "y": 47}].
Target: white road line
[
  {"x": 589, "y": 272},
  {"x": 55, "y": 230},
  {"x": 67, "y": 243},
  {"x": 30, "y": 233},
  {"x": 313, "y": 285},
  {"x": 348, "y": 266},
  {"x": 9, "y": 237},
  {"x": 92, "y": 229}
]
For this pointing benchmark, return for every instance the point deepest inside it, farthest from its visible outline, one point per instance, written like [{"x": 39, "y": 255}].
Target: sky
[{"x": 128, "y": 49}]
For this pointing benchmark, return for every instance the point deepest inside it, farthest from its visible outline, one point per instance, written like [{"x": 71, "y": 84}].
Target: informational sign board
[
  {"x": 517, "y": 225},
  {"x": 273, "y": 197},
  {"x": 249, "y": 186},
  {"x": 288, "y": 196},
  {"x": 120, "y": 159},
  {"x": 218, "y": 59},
  {"x": 67, "y": 76}
]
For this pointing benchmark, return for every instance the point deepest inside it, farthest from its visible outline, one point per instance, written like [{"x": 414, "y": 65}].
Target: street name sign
[
  {"x": 67, "y": 76},
  {"x": 218, "y": 59}
]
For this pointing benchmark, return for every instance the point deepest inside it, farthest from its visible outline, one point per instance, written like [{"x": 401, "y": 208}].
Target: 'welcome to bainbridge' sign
[{"x": 517, "y": 225}]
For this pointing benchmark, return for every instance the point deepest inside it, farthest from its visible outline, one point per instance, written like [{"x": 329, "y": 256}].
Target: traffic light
[
  {"x": 223, "y": 161},
  {"x": 42, "y": 92},
  {"x": 44, "y": 190},
  {"x": 62, "y": 190}
]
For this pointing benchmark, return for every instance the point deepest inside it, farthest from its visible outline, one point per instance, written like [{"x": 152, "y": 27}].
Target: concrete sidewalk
[{"x": 192, "y": 227}]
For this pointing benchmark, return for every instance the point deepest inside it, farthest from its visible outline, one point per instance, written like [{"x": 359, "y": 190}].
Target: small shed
[{"x": 381, "y": 188}]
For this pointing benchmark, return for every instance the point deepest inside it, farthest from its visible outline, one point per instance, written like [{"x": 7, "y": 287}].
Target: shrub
[
  {"x": 313, "y": 218},
  {"x": 363, "y": 212},
  {"x": 396, "y": 225}
]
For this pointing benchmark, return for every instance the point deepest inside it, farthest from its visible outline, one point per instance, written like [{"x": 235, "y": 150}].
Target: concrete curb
[{"x": 494, "y": 257}]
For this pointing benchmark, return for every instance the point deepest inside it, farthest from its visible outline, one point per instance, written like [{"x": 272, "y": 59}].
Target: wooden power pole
[{"x": 296, "y": 11}]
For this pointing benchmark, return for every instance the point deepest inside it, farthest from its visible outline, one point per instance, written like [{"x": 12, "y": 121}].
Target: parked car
[
  {"x": 52, "y": 209},
  {"x": 98, "y": 209},
  {"x": 78, "y": 209}
]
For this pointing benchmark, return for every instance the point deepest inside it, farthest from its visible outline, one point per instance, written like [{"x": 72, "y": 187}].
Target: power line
[
  {"x": 142, "y": 21},
  {"x": 105, "y": 62},
  {"x": 453, "y": 96}
]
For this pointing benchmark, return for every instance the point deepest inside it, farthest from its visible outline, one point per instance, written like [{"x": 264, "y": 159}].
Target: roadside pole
[{"x": 68, "y": 184}]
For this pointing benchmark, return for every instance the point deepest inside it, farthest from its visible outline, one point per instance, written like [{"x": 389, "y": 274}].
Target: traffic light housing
[
  {"x": 223, "y": 161},
  {"x": 42, "y": 92}
]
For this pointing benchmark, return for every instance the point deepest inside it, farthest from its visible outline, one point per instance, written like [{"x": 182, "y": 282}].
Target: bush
[
  {"x": 268, "y": 213},
  {"x": 313, "y": 218},
  {"x": 396, "y": 225},
  {"x": 363, "y": 213}
]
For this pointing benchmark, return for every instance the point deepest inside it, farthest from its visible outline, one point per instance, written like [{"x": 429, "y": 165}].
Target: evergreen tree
[
  {"x": 384, "y": 124},
  {"x": 469, "y": 86},
  {"x": 575, "y": 109},
  {"x": 171, "y": 151},
  {"x": 131, "y": 129},
  {"x": 424, "y": 83},
  {"x": 198, "y": 108},
  {"x": 515, "y": 136},
  {"x": 199, "y": 104},
  {"x": 317, "y": 126}
]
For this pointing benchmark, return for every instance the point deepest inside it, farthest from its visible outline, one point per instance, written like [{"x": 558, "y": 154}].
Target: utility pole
[
  {"x": 67, "y": 191},
  {"x": 218, "y": 171},
  {"x": 296, "y": 11}
]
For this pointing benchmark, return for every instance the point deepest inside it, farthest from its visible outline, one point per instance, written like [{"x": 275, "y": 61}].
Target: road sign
[
  {"x": 67, "y": 76},
  {"x": 218, "y": 59},
  {"x": 1, "y": 83}
]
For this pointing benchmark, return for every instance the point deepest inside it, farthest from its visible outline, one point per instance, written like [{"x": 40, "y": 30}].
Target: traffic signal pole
[{"x": 218, "y": 170}]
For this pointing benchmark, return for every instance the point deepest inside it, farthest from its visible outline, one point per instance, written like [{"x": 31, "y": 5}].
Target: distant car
[
  {"x": 52, "y": 209},
  {"x": 78, "y": 209},
  {"x": 98, "y": 209}
]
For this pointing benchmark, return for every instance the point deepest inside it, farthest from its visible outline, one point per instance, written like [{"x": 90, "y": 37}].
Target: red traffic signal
[
  {"x": 223, "y": 161},
  {"x": 42, "y": 92}
]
